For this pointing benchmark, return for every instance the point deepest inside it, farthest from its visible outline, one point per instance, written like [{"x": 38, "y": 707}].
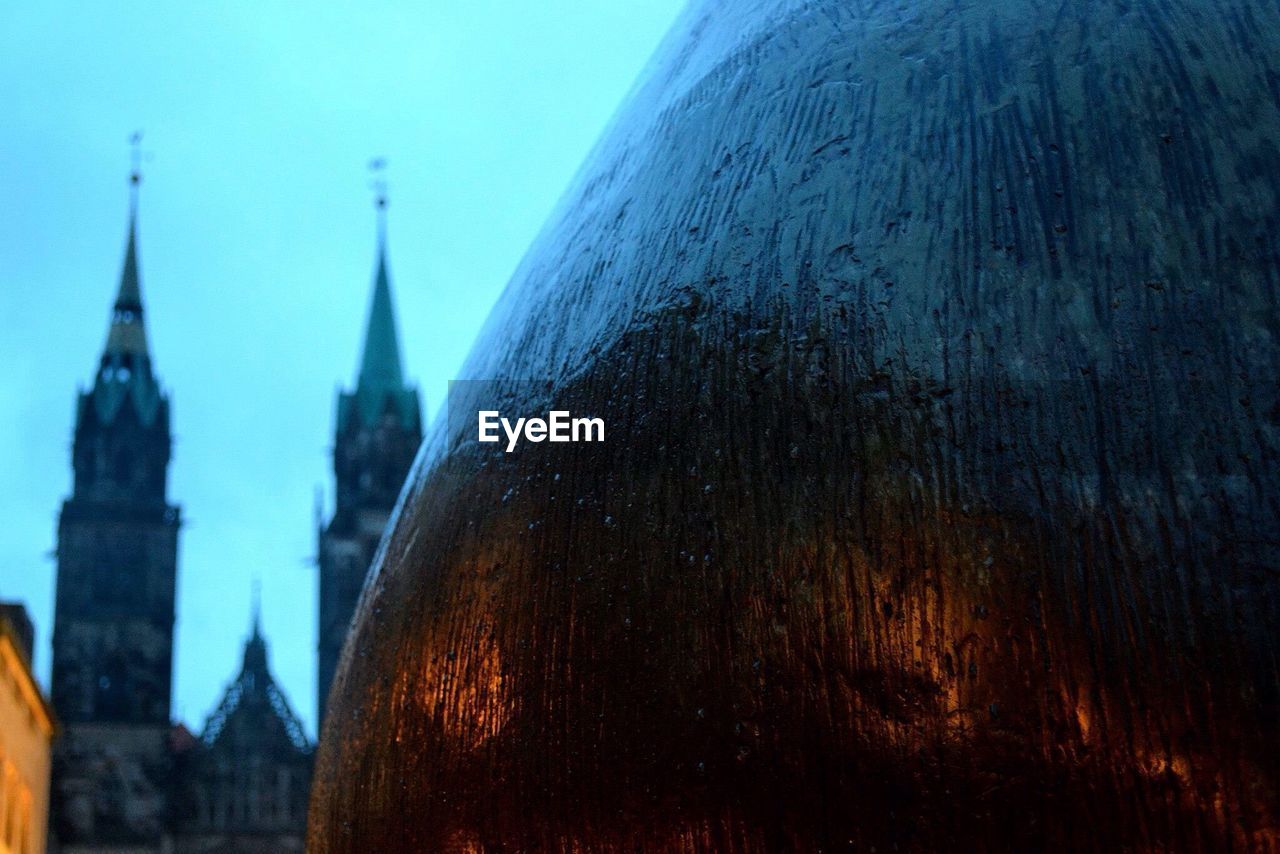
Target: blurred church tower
[
  {"x": 377, "y": 434},
  {"x": 126, "y": 778},
  {"x": 117, "y": 559}
]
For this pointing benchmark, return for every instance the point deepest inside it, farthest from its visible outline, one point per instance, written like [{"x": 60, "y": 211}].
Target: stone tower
[
  {"x": 377, "y": 433},
  {"x": 114, "y": 609}
]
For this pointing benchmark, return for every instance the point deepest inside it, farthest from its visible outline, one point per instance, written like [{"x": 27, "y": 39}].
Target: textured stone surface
[{"x": 937, "y": 345}]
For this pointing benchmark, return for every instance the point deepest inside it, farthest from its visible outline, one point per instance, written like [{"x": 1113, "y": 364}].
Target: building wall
[
  {"x": 113, "y": 637},
  {"x": 113, "y": 634},
  {"x": 26, "y": 734}
]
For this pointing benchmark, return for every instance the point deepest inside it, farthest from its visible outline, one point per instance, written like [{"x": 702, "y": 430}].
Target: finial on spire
[
  {"x": 135, "y": 174},
  {"x": 378, "y": 169},
  {"x": 381, "y": 372},
  {"x": 255, "y": 649},
  {"x": 127, "y": 336},
  {"x": 257, "y": 606}
]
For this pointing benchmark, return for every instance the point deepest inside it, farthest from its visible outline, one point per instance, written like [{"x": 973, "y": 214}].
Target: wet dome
[{"x": 936, "y": 345}]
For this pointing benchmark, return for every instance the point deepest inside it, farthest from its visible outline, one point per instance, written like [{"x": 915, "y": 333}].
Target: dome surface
[{"x": 937, "y": 509}]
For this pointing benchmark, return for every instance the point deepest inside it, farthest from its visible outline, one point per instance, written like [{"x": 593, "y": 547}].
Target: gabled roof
[{"x": 254, "y": 716}]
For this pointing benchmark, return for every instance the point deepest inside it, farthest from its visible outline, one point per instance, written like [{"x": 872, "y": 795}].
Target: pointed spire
[
  {"x": 380, "y": 365},
  {"x": 128, "y": 335},
  {"x": 256, "y": 617},
  {"x": 130, "y": 294},
  {"x": 380, "y": 385},
  {"x": 255, "y": 649}
]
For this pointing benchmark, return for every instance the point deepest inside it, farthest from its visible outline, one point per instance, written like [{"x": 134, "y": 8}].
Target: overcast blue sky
[{"x": 256, "y": 247}]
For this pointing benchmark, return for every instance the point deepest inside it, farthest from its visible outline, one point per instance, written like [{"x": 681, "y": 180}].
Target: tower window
[{"x": 112, "y": 700}]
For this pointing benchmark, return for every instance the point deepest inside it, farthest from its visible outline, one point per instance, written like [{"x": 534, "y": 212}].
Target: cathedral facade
[{"x": 126, "y": 777}]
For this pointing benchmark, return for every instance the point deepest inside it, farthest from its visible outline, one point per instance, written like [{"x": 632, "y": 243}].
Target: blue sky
[{"x": 256, "y": 234}]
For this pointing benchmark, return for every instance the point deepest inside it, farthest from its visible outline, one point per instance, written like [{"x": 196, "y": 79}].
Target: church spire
[
  {"x": 377, "y": 432},
  {"x": 380, "y": 366},
  {"x": 255, "y": 618},
  {"x": 255, "y": 648},
  {"x": 124, "y": 378},
  {"x": 127, "y": 335}
]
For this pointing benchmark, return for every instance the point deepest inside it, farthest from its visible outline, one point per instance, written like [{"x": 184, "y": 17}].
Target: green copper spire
[
  {"x": 380, "y": 365},
  {"x": 124, "y": 372},
  {"x": 127, "y": 334},
  {"x": 130, "y": 295},
  {"x": 380, "y": 385}
]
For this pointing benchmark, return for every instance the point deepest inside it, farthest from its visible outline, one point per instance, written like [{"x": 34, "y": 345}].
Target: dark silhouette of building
[
  {"x": 243, "y": 785},
  {"x": 126, "y": 778},
  {"x": 114, "y": 608},
  {"x": 377, "y": 434}
]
